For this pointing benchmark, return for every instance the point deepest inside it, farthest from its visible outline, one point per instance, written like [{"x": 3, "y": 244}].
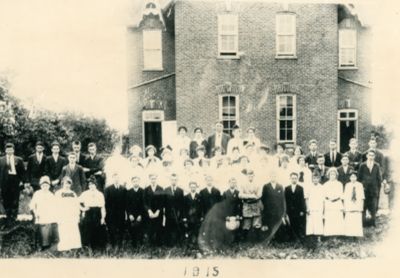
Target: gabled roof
[
  {"x": 357, "y": 12},
  {"x": 151, "y": 7}
]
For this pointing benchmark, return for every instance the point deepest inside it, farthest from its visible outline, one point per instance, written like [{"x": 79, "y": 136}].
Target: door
[
  {"x": 153, "y": 135},
  {"x": 347, "y": 131}
]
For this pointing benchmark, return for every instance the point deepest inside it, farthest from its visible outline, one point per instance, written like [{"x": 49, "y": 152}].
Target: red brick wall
[{"x": 313, "y": 76}]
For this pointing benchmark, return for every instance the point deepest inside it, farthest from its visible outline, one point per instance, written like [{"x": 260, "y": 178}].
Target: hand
[
  {"x": 151, "y": 215},
  {"x": 102, "y": 221},
  {"x": 98, "y": 173},
  {"x": 184, "y": 220},
  {"x": 283, "y": 221},
  {"x": 27, "y": 185},
  {"x": 301, "y": 213},
  {"x": 201, "y": 219},
  {"x": 131, "y": 218},
  {"x": 157, "y": 213},
  {"x": 86, "y": 169},
  {"x": 264, "y": 228},
  {"x": 139, "y": 218}
]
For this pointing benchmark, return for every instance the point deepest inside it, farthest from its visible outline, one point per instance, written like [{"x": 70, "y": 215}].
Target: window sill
[
  {"x": 236, "y": 57},
  {"x": 348, "y": 68},
  {"x": 154, "y": 69},
  {"x": 286, "y": 57}
]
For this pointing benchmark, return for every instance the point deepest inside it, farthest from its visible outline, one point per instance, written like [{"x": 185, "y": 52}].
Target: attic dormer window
[
  {"x": 347, "y": 44},
  {"x": 152, "y": 49}
]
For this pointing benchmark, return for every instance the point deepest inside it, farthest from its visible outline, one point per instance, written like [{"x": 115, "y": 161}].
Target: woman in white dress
[
  {"x": 333, "y": 212},
  {"x": 235, "y": 142},
  {"x": 68, "y": 217},
  {"x": 305, "y": 174},
  {"x": 315, "y": 195},
  {"x": 353, "y": 206}
]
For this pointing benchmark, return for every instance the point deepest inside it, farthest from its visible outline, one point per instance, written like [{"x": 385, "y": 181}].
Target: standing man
[
  {"x": 369, "y": 175},
  {"x": 355, "y": 157},
  {"x": 76, "y": 147},
  {"x": 218, "y": 139},
  {"x": 154, "y": 207},
  {"x": 311, "y": 158},
  {"x": 54, "y": 165},
  {"x": 93, "y": 165},
  {"x": 296, "y": 208},
  {"x": 210, "y": 195},
  {"x": 36, "y": 166},
  {"x": 12, "y": 174},
  {"x": 333, "y": 157},
  {"x": 345, "y": 170},
  {"x": 135, "y": 210},
  {"x": 174, "y": 202},
  {"x": 115, "y": 203},
  {"x": 76, "y": 173}
]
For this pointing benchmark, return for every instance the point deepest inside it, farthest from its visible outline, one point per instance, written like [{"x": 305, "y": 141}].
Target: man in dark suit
[
  {"x": 192, "y": 213},
  {"x": 36, "y": 166},
  {"x": 274, "y": 203},
  {"x": 12, "y": 175},
  {"x": 379, "y": 157},
  {"x": 344, "y": 170},
  {"x": 173, "y": 211},
  {"x": 333, "y": 157},
  {"x": 370, "y": 176},
  {"x": 320, "y": 169},
  {"x": 231, "y": 195},
  {"x": 93, "y": 165},
  {"x": 115, "y": 202},
  {"x": 135, "y": 211},
  {"x": 209, "y": 195},
  {"x": 296, "y": 208},
  {"x": 311, "y": 158},
  {"x": 76, "y": 147},
  {"x": 76, "y": 173},
  {"x": 355, "y": 157},
  {"x": 219, "y": 138},
  {"x": 154, "y": 207},
  {"x": 54, "y": 165}
]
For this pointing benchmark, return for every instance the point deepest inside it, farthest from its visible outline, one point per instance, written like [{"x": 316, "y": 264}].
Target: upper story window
[
  {"x": 228, "y": 33},
  {"x": 152, "y": 50},
  {"x": 229, "y": 111},
  {"x": 286, "y": 35},
  {"x": 286, "y": 118},
  {"x": 347, "y": 48}
]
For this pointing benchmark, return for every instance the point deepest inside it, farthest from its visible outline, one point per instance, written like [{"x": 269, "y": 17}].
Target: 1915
[{"x": 197, "y": 271}]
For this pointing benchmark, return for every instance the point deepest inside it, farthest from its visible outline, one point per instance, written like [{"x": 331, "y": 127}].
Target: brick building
[{"x": 293, "y": 71}]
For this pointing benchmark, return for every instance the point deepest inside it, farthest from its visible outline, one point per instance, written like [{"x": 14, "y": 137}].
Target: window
[
  {"x": 286, "y": 35},
  {"x": 152, "y": 50},
  {"x": 347, "y": 48},
  {"x": 228, "y": 35},
  {"x": 286, "y": 118},
  {"x": 229, "y": 111}
]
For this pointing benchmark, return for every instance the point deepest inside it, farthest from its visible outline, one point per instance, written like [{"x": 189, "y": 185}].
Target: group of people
[{"x": 173, "y": 193}]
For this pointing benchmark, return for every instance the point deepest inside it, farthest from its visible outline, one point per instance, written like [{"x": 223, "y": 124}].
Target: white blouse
[{"x": 92, "y": 199}]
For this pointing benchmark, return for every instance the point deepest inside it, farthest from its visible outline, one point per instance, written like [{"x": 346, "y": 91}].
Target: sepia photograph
[{"x": 197, "y": 129}]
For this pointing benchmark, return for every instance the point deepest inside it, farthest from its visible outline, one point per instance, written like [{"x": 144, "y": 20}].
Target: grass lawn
[{"x": 19, "y": 244}]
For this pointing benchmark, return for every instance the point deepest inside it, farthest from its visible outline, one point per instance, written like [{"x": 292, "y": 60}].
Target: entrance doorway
[
  {"x": 153, "y": 135},
  {"x": 347, "y": 128}
]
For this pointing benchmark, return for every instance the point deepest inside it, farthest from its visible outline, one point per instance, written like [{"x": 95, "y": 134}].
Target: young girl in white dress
[
  {"x": 353, "y": 206},
  {"x": 333, "y": 205},
  {"x": 315, "y": 195},
  {"x": 68, "y": 217}
]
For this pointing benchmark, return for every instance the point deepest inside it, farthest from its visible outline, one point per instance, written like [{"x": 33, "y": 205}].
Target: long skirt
[
  {"x": 334, "y": 223},
  {"x": 353, "y": 224},
  {"x": 69, "y": 236},
  {"x": 315, "y": 223},
  {"x": 93, "y": 233},
  {"x": 47, "y": 234}
]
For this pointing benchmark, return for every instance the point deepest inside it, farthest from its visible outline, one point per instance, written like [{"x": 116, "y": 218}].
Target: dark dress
[{"x": 115, "y": 213}]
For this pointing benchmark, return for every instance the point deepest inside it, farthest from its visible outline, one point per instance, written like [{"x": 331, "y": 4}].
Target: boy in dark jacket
[
  {"x": 296, "y": 208},
  {"x": 135, "y": 211},
  {"x": 209, "y": 195},
  {"x": 192, "y": 215}
]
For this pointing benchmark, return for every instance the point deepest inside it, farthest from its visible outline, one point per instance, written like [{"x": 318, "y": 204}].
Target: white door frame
[
  {"x": 149, "y": 116},
  {"x": 347, "y": 118}
]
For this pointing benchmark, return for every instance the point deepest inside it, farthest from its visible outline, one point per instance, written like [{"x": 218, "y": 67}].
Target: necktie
[
  {"x": 332, "y": 157},
  {"x": 173, "y": 191},
  {"x": 353, "y": 194}
]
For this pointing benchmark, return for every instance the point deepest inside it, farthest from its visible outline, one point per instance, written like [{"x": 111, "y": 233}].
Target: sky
[{"x": 63, "y": 54}]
